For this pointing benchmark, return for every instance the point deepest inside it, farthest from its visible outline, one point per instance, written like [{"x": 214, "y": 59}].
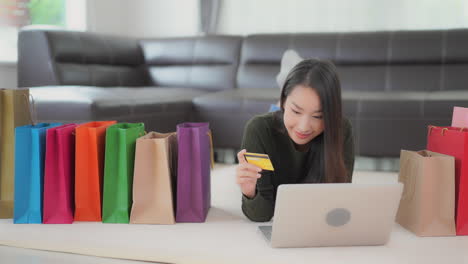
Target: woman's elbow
[{"x": 255, "y": 217}]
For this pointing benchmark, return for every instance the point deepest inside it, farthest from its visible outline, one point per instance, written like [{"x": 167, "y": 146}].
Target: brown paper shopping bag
[
  {"x": 14, "y": 112},
  {"x": 154, "y": 179},
  {"x": 427, "y": 207}
]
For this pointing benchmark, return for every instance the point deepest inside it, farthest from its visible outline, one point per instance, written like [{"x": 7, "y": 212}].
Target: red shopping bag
[{"x": 454, "y": 142}]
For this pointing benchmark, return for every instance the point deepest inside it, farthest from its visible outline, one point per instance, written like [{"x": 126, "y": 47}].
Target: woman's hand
[{"x": 247, "y": 175}]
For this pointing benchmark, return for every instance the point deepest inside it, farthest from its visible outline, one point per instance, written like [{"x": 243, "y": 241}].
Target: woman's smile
[{"x": 302, "y": 135}]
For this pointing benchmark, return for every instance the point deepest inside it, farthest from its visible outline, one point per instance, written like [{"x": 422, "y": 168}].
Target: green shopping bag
[{"x": 118, "y": 171}]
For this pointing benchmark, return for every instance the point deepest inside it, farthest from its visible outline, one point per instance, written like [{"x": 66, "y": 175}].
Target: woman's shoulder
[
  {"x": 262, "y": 122},
  {"x": 257, "y": 133}
]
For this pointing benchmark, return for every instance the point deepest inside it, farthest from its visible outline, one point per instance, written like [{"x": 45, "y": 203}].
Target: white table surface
[
  {"x": 226, "y": 237},
  {"x": 14, "y": 255}
]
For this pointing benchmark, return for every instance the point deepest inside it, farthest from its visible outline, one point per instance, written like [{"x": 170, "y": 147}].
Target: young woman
[{"x": 308, "y": 140}]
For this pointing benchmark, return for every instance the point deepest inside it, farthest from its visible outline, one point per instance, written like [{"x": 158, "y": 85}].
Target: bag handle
[
  {"x": 443, "y": 131},
  {"x": 142, "y": 133},
  {"x": 430, "y": 129},
  {"x": 210, "y": 136},
  {"x": 32, "y": 107}
]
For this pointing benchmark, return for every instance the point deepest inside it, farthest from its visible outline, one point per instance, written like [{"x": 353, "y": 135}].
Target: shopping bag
[
  {"x": 89, "y": 169},
  {"x": 460, "y": 117},
  {"x": 14, "y": 110},
  {"x": 154, "y": 179},
  {"x": 118, "y": 171},
  {"x": 29, "y": 172},
  {"x": 193, "y": 173},
  {"x": 454, "y": 142},
  {"x": 427, "y": 207},
  {"x": 59, "y": 175}
]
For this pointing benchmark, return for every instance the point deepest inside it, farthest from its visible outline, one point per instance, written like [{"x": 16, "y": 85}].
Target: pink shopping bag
[
  {"x": 460, "y": 117},
  {"x": 59, "y": 175}
]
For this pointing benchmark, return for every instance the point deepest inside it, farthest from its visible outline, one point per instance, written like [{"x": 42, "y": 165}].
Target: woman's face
[{"x": 303, "y": 115}]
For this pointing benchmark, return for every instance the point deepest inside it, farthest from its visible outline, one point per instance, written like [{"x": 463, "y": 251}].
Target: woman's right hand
[{"x": 247, "y": 175}]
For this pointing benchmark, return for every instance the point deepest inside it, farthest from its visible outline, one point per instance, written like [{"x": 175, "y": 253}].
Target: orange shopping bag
[{"x": 89, "y": 169}]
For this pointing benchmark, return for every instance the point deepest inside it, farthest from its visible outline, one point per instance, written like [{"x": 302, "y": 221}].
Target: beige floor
[
  {"x": 207, "y": 243},
  {"x": 14, "y": 255}
]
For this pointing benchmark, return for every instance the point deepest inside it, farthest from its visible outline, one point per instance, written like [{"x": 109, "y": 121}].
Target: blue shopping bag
[{"x": 29, "y": 172}]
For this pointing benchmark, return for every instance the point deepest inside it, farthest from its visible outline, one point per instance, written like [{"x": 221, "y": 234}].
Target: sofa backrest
[
  {"x": 373, "y": 61},
  {"x": 206, "y": 62},
  {"x": 55, "y": 57}
]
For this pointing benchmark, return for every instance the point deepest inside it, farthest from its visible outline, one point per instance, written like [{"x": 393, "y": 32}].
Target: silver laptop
[{"x": 339, "y": 214}]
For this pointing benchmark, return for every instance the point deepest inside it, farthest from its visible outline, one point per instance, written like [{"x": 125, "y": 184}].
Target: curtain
[{"x": 209, "y": 13}]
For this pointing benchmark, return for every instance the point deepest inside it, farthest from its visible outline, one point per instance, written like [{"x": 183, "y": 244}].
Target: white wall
[
  {"x": 164, "y": 18},
  {"x": 136, "y": 18},
  {"x": 143, "y": 18},
  {"x": 8, "y": 57},
  {"x": 242, "y": 17},
  {"x": 8, "y": 75},
  {"x": 9, "y": 36}
]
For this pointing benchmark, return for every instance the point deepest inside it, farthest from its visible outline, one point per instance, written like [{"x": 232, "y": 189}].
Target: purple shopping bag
[
  {"x": 59, "y": 175},
  {"x": 193, "y": 172}
]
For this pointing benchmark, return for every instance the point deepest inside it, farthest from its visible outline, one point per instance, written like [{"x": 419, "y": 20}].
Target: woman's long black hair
[{"x": 326, "y": 161}]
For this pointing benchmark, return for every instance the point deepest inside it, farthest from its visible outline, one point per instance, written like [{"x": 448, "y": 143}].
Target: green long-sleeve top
[{"x": 267, "y": 134}]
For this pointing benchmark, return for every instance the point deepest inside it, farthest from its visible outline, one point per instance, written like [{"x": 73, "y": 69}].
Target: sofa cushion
[
  {"x": 239, "y": 100},
  {"x": 439, "y": 105},
  {"x": 383, "y": 105},
  {"x": 432, "y": 105},
  {"x": 208, "y": 62},
  {"x": 386, "y": 122},
  {"x": 228, "y": 111},
  {"x": 383, "y": 122},
  {"x": 80, "y": 103}
]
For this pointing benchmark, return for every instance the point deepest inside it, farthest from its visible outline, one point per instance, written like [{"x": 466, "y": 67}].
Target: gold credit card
[{"x": 260, "y": 160}]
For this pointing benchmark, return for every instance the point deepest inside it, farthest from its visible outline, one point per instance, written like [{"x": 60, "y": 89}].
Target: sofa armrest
[
  {"x": 60, "y": 57},
  {"x": 35, "y": 65}
]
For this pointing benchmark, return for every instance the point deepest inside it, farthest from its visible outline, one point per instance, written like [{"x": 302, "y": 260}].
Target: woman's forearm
[{"x": 258, "y": 209}]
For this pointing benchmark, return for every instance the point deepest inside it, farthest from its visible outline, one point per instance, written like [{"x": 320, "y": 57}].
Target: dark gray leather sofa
[{"x": 394, "y": 83}]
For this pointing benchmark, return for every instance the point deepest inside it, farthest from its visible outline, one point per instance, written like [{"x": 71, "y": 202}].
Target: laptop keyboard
[{"x": 266, "y": 231}]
